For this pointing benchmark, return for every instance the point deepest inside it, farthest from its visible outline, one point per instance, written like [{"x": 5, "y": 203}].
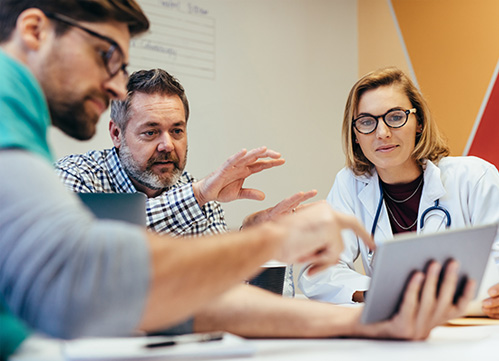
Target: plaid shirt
[{"x": 175, "y": 211}]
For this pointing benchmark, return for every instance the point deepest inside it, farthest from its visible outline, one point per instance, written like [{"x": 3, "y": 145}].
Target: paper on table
[
  {"x": 490, "y": 278},
  {"x": 473, "y": 321},
  {"x": 133, "y": 348}
]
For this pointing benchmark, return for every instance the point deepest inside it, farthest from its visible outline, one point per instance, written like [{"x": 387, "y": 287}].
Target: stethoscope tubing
[{"x": 435, "y": 207}]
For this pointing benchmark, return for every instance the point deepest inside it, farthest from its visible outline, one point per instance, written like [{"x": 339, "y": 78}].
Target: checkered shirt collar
[{"x": 118, "y": 175}]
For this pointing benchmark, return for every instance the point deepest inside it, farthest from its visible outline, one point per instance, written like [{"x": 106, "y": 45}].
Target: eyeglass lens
[
  {"x": 114, "y": 61},
  {"x": 394, "y": 119},
  {"x": 113, "y": 58}
]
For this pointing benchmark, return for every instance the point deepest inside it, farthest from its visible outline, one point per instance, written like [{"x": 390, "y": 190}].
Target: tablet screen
[{"x": 396, "y": 261}]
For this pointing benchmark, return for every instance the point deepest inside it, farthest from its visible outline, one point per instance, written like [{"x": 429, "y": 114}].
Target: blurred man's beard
[
  {"x": 147, "y": 177},
  {"x": 73, "y": 120},
  {"x": 74, "y": 111}
]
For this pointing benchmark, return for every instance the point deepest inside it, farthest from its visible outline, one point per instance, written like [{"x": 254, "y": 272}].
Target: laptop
[
  {"x": 128, "y": 207},
  {"x": 396, "y": 261}
]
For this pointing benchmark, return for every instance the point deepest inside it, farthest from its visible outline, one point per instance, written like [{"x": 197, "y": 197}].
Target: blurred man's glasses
[{"x": 113, "y": 58}]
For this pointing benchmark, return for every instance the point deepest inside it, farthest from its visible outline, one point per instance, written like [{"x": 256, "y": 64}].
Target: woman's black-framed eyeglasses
[{"x": 394, "y": 118}]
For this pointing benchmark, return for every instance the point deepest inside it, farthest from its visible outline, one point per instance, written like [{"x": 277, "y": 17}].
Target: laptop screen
[{"x": 128, "y": 207}]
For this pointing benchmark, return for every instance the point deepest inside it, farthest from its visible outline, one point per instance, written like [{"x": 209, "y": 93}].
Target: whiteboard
[{"x": 256, "y": 72}]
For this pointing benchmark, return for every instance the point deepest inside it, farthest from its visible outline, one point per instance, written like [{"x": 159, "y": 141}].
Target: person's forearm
[
  {"x": 251, "y": 312},
  {"x": 187, "y": 274}
]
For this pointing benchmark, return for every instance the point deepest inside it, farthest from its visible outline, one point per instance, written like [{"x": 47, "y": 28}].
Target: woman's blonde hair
[{"x": 429, "y": 143}]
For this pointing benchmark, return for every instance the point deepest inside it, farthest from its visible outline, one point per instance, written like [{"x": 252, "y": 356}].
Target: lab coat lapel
[
  {"x": 369, "y": 197},
  {"x": 433, "y": 189}
]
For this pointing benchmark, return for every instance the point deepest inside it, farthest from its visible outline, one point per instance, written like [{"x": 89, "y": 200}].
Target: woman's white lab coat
[{"x": 468, "y": 187}]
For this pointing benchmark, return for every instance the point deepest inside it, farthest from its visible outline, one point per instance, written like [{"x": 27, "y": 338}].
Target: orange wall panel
[{"x": 453, "y": 46}]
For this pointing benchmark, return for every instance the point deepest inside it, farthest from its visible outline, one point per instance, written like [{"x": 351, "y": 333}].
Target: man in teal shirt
[
  {"x": 14, "y": 134},
  {"x": 21, "y": 98}
]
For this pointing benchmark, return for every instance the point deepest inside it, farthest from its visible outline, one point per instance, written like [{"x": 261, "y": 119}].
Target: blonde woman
[{"x": 398, "y": 178}]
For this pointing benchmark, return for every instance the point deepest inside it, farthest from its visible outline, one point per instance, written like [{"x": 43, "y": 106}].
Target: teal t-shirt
[
  {"x": 24, "y": 114},
  {"x": 24, "y": 120},
  {"x": 12, "y": 333}
]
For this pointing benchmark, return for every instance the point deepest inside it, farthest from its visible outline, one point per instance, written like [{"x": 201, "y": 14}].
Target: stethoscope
[{"x": 435, "y": 207}]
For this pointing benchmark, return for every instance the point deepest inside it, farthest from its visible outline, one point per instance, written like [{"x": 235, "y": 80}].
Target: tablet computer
[
  {"x": 128, "y": 207},
  {"x": 395, "y": 262}
]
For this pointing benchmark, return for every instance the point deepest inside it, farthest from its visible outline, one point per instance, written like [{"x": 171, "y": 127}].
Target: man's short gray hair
[{"x": 154, "y": 81}]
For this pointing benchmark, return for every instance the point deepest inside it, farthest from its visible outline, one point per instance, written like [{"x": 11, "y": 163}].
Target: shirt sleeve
[
  {"x": 175, "y": 212},
  {"x": 178, "y": 213},
  {"x": 62, "y": 271},
  {"x": 338, "y": 283},
  {"x": 80, "y": 181},
  {"x": 483, "y": 200}
]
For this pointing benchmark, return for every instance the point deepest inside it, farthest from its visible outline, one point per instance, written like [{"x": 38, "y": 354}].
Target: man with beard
[
  {"x": 69, "y": 275},
  {"x": 149, "y": 133}
]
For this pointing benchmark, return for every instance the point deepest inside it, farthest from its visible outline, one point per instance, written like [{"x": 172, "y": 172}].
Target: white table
[{"x": 452, "y": 343}]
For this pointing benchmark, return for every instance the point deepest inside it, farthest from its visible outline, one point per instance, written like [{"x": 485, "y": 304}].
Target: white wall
[{"x": 279, "y": 76}]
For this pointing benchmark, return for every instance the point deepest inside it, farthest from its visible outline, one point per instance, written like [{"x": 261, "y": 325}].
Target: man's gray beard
[{"x": 147, "y": 178}]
